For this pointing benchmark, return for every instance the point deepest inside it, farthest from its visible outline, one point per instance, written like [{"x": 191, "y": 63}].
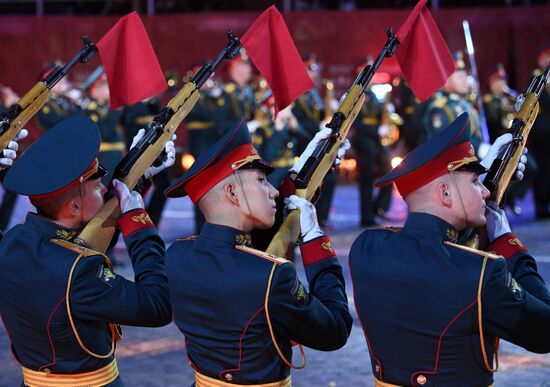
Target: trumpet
[{"x": 392, "y": 121}]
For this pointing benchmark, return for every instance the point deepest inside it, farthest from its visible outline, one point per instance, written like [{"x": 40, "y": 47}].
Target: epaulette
[
  {"x": 191, "y": 238},
  {"x": 440, "y": 102},
  {"x": 76, "y": 248},
  {"x": 393, "y": 228},
  {"x": 474, "y": 251},
  {"x": 230, "y": 88},
  {"x": 262, "y": 254}
]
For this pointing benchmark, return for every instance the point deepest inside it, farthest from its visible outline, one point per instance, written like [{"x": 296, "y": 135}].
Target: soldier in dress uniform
[
  {"x": 66, "y": 334},
  {"x": 97, "y": 108},
  {"x": 499, "y": 110},
  {"x": 59, "y": 105},
  {"x": 539, "y": 143},
  {"x": 275, "y": 138},
  {"x": 239, "y": 88},
  {"x": 450, "y": 102},
  {"x": 249, "y": 341},
  {"x": 312, "y": 114},
  {"x": 371, "y": 156},
  {"x": 209, "y": 119},
  {"x": 432, "y": 310}
]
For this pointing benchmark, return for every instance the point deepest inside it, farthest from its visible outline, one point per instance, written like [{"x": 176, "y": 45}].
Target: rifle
[
  {"x": 322, "y": 159},
  {"x": 20, "y": 113},
  {"x": 100, "y": 229},
  {"x": 527, "y": 107}
]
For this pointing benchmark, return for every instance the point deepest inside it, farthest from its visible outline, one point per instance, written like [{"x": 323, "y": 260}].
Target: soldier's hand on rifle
[
  {"x": 169, "y": 149},
  {"x": 309, "y": 227},
  {"x": 128, "y": 200},
  {"x": 342, "y": 151},
  {"x": 497, "y": 222},
  {"x": 494, "y": 151},
  {"x": 321, "y": 135},
  {"x": 8, "y": 155}
]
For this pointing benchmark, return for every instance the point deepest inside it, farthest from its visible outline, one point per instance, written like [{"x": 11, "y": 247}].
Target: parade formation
[{"x": 260, "y": 152}]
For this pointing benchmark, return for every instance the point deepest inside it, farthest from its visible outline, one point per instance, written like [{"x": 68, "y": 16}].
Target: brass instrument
[{"x": 392, "y": 120}]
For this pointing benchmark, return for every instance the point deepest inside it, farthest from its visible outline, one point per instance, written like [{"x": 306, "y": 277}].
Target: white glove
[
  {"x": 497, "y": 222},
  {"x": 169, "y": 148},
  {"x": 493, "y": 152},
  {"x": 252, "y": 125},
  {"x": 383, "y": 130},
  {"x": 342, "y": 152},
  {"x": 8, "y": 155},
  {"x": 128, "y": 200},
  {"x": 308, "y": 217},
  {"x": 521, "y": 165},
  {"x": 321, "y": 135},
  {"x": 495, "y": 149}
]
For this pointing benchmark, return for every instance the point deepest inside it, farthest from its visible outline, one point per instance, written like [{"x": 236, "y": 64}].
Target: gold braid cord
[
  {"x": 288, "y": 363},
  {"x": 115, "y": 332},
  {"x": 480, "y": 322}
]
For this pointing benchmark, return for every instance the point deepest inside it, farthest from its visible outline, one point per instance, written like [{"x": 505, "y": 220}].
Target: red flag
[
  {"x": 130, "y": 63},
  {"x": 423, "y": 55},
  {"x": 269, "y": 45}
]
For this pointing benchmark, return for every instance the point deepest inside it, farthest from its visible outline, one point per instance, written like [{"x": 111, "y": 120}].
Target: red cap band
[
  {"x": 208, "y": 178},
  {"x": 450, "y": 160},
  {"x": 81, "y": 179}
]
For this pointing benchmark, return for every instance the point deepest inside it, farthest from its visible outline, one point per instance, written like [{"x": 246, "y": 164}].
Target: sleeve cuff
[
  {"x": 133, "y": 221},
  {"x": 506, "y": 245},
  {"x": 287, "y": 187},
  {"x": 317, "y": 250}
]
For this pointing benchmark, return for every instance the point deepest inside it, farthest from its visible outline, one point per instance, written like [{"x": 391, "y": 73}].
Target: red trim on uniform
[
  {"x": 72, "y": 184},
  {"x": 50, "y": 335},
  {"x": 133, "y": 221},
  {"x": 434, "y": 371},
  {"x": 507, "y": 245},
  {"x": 286, "y": 188},
  {"x": 433, "y": 169},
  {"x": 220, "y": 375},
  {"x": 317, "y": 250},
  {"x": 371, "y": 354},
  {"x": 209, "y": 177}
]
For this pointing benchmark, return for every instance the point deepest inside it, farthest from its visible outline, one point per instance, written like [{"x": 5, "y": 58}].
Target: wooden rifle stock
[
  {"x": 20, "y": 113},
  {"x": 99, "y": 231},
  {"x": 289, "y": 232},
  {"x": 315, "y": 169},
  {"x": 503, "y": 168},
  {"x": 23, "y": 111}
]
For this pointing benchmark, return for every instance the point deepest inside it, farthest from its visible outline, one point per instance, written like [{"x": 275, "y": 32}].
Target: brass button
[
  {"x": 228, "y": 377},
  {"x": 421, "y": 379}
]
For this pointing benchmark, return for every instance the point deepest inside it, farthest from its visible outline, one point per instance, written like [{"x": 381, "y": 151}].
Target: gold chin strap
[
  {"x": 288, "y": 363},
  {"x": 480, "y": 322},
  {"x": 247, "y": 160},
  {"x": 89, "y": 172},
  {"x": 454, "y": 165}
]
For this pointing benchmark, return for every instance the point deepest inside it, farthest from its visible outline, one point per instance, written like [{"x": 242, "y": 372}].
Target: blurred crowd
[{"x": 391, "y": 123}]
